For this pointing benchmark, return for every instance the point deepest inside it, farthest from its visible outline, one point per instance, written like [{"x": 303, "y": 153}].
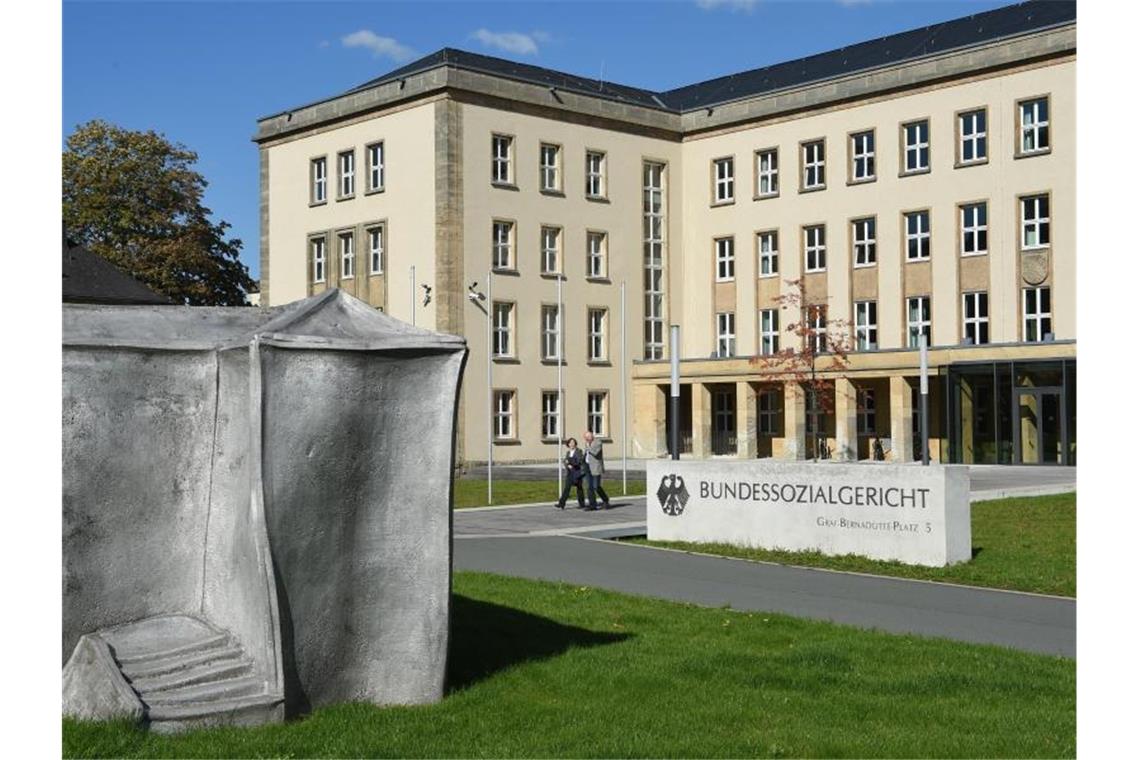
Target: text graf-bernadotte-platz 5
[{"x": 919, "y": 515}]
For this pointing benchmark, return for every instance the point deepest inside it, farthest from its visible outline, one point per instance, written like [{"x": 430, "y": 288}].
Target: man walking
[{"x": 595, "y": 468}]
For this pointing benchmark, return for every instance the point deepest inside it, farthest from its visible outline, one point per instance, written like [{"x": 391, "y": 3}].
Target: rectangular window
[
  {"x": 653, "y": 218},
  {"x": 815, "y": 248},
  {"x": 917, "y": 320},
  {"x": 317, "y": 246},
  {"x": 725, "y": 259},
  {"x": 1035, "y": 221},
  {"x": 595, "y": 174},
  {"x": 596, "y": 326},
  {"x": 813, "y": 166},
  {"x": 865, "y": 411},
  {"x": 863, "y": 241},
  {"x": 550, "y": 167},
  {"x": 596, "y": 413},
  {"x": 916, "y": 147},
  {"x": 724, "y": 181},
  {"x": 502, "y": 170},
  {"x": 503, "y": 315},
  {"x": 976, "y": 318},
  {"x": 318, "y": 173},
  {"x": 917, "y": 235},
  {"x": 769, "y": 331},
  {"x": 550, "y": 333},
  {"x": 768, "y": 409},
  {"x": 975, "y": 232},
  {"x": 863, "y": 156},
  {"x": 504, "y": 414},
  {"x": 768, "y": 249},
  {"x": 376, "y": 249},
  {"x": 346, "y": 162},
  {"x": 550, "y": 416},
  {"x": 1038, "y": 315},
  {"x": 725, "y": 334},
  {"x": 375, "y": 167},
  {"x": 767, "y": 173},
  {"x": 502, "y": 245},
  {"x": 866, "y": 325},
  {"x": 972, "y": 137},
  {"x": 596, "y": 254},
  {"x": 817, "y": 328},
  {"x": 347, "y": 255},
  {"x": 551, "y": 250},
  {"x": 1033, "y": 122}
]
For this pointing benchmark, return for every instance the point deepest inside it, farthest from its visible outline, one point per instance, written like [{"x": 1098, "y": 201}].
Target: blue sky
[{"x": 203, "y": 72}]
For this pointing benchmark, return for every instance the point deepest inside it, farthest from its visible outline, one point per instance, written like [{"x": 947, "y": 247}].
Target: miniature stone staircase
[{"x": 189, "y": 674}]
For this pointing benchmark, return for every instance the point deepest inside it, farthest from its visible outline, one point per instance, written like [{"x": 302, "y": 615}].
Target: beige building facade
[{"x": 931, "y": 194}]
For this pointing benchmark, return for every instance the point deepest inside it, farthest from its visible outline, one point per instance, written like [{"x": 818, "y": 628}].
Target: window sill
[
  {"x": 599, "y": 363},
  {"x": 914, "y": 173},
  {"x": 375, "y": 191},
  {"x": 553, "y": 362},
  {"x": 815, "y": 271},
  {"x": 505, "y": 360},
  {"x": 871, "y": 265},
  {"x": 919, "y": 260},
  {"x": 867, "y": 181},
  {"x": 974, "y": 254},
  {"x": 771, "y": 276},
  {"x": 376, "y": 274},
  {"x": 340, "y": 198},
  {"x": 314, "y": 204},
  {"x": 968, "y": 164},
  {"x": 505, "y": 185},
  {"x": 1032, "y": 153},
  {"x": 552, "y": 275},
  {"x": 813, "y": 189},
  {"x": 718, "y": 204},
  {"x": 507, "y": 441},
  {"x": 553, "y": 193},
  {"x": 765, "y": 196},
  {"x": 507, "y": 272},
  {"x": 1036, "y": 249},
  {"x": 600, "y": 280},
  {"x": 723, "y": 280},
  {"x": 597, "y": 199},
  {"x": 348, "y": 277}
]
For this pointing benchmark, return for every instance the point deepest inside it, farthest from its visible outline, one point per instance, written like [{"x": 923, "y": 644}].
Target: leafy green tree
[{"x": 135, "y": 199}]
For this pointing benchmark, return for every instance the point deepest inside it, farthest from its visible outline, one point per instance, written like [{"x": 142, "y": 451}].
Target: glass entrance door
[{"x": 1040, "y": 429}]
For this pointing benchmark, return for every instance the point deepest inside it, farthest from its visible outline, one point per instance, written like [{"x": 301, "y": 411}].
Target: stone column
[
  {"x": 702, "y": 421},
  {"x": 846, "y": 421},
  {"x": 649, "y": 434},
  {"x": 746, "y": 431},
  {"x": 795, "y": 421},
  {"x": 902, "y": 417}
]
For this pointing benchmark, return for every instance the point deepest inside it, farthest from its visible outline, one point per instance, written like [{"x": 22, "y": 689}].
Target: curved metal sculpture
[{"x": 256, "y": 510}]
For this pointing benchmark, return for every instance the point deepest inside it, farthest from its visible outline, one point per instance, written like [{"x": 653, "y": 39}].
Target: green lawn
[
  {"x": 1022, "y": 544},
  {"x": 549, "y": 670},
  {"x": 473, "y": 493}
]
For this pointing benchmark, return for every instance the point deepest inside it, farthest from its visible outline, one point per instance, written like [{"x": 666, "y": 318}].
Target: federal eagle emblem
[{"x": 673, "y": 495}]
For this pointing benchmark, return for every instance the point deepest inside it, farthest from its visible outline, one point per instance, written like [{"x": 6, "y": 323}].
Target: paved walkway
[{"x": 539, "y": 541}]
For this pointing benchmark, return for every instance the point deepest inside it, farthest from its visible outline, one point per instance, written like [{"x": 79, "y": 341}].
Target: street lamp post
[{"x": 675, "y": 389}]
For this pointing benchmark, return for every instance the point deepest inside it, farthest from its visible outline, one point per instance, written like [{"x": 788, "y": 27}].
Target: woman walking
[{"x": 574, "y": 462}]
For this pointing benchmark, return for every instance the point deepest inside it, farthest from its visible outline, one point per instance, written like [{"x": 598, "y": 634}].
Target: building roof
[
  {"x": 90, "y": 278},
  {"x": 956, "y": 34}
]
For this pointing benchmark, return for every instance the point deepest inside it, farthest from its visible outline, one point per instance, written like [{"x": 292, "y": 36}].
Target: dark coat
[{"x": 575, "y": 461}]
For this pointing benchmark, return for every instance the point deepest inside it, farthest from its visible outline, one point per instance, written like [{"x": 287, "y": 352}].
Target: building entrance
[
  {"x": 1040, "y": 432},
  {"x": 724, "y": 421}
]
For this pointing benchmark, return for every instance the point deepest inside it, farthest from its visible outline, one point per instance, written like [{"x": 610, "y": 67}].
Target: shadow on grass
[{"x": 486, "y": 638}]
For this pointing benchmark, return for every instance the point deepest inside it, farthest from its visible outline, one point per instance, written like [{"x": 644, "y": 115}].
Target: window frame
[
  {"x": 602, "y": 337},
  {"x": 770, "y": 335},
  {"x": 369, "y": 229},
  {"x": 820, "y": 249},
  {"x": 821, "y": 165},
  {"x": 602, "y": 255},
  {"x": 724, "y": 266},
  {"x": 1046, "y": 221},
  {"x": 817, "y": 323},
  {"x": 920, "y": 236},
  {"x": 511, "y": 394},
  {"x": 867, "y": 331},
  {"x": 1041, "y": 317},
  {"x": 548, "y": 336},
  {"x": 773, "y": 174},
  {"x": 979, "y": 322},
  {"x": 322, "y": 239},
  {"x": 865, "y": 413},
  {"x": 322, "y": 182},
  {"x": 728, "y": 183},
  {"x": 512, "y": 259},
  {"x": 371, "y": 167},
  {"x": 508, "y": 330},
  {"x": 557, "y": 271},
  {"x": 725, "y": 322},
  {"x": 546, "y": 414},
  {"x": 346, "y": 257},
  {"x": 964, "y": 231},
  {"x": 855, "y": 157},
  {"x": 603, "y": 193},
  {"x": 905, "y": 147},
  {"x": 508, "y": 161},
  {"x": 342, "y": 174},
  {"x": 603, "y": 414},
  {"x": 870, "y": 246},
  {"x": 773, "y": 254},
  {"x": 1019, "y": 151},
  {"x": 653, "y": 305},
  {"x": 924, "y": 325},
  {"x": 556, "y": 169},
  {"x": 768, "y": 414},
  {"x": 960, "y": 138}
]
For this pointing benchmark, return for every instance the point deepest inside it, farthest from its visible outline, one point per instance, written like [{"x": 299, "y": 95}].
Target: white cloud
[
  {"x": 511, "y": 42},
  {"x": 732, "y": 5},
  {"x": 380, "y": 46}
]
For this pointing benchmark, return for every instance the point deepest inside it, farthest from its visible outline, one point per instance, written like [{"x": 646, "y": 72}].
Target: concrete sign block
[{"x": 917, "y": 515}]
